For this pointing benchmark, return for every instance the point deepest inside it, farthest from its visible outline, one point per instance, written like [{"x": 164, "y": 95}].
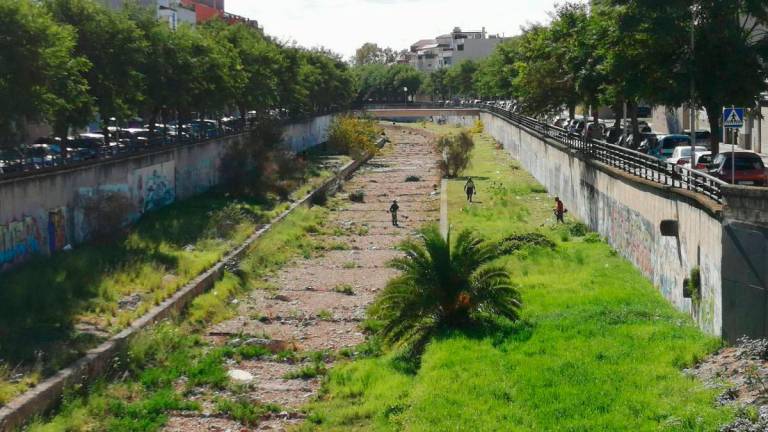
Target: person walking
[
  {"x": 559, "y": 210},
  {"x": 393, "y": 209},
  {"x": 470, "y": 189}
]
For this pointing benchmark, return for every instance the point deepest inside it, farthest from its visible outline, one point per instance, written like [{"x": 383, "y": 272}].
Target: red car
[{"x": 749, "y": 171}]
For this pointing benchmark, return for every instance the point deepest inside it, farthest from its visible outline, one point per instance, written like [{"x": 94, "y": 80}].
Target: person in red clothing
[{"x": 559, "y": 210}]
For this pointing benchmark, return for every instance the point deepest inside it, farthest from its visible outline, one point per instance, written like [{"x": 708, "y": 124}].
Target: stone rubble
[{"x": 305, "y": 312}]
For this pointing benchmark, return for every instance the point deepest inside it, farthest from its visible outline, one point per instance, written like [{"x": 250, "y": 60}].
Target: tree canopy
[{"x": 70, "y": 62}]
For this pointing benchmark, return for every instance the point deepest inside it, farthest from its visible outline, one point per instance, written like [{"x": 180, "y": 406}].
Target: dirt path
[{"x": 319, "y": 303}]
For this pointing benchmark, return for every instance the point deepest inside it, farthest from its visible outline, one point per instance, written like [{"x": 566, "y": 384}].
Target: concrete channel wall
[
  {"x": 104, "y": 359},
  {"x": 629, "y": 212},
  {"x": 46, "y": 212},
  {"x": 727, "y": 244}
]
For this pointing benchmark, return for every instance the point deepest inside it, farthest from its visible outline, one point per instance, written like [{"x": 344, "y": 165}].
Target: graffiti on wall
[
  {"x": 630, "y": 233},
  {"x": 154, "y": 186},
  {"x": 81, "y": 229},
  {"x": 19, "y": 240},
  {"x": 57, "y": 229}
]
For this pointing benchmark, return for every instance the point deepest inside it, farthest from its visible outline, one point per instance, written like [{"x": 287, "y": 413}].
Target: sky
[{"x": 344, "y": 25}]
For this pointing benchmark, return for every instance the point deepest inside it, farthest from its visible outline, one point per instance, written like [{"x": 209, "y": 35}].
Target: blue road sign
[{"x": 733, "y": 117}]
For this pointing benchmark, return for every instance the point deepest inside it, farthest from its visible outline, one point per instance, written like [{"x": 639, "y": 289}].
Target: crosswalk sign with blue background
[{"x": 733, "y": 117}]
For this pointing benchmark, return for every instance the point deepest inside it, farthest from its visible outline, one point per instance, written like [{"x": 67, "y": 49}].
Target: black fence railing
[
  {"x": 627, "y": 160},
  {"x": 85, "y": 149}
]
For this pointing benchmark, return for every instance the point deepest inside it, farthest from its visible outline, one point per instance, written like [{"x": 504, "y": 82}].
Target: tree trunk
[
  {"x": 632, "y": 107},
  {"x": 61, "y": 131},
  {"x": 571, "y": 111},
  {"x": 618, "y": 114},
  {"x": 713, "y": 115}
]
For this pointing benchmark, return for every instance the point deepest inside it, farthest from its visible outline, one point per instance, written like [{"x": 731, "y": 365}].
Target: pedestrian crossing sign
[{"x": 733, "y": 117}]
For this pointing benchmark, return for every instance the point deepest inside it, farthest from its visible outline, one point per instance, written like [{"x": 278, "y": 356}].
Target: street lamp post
[{"x": 405, "y": 91}]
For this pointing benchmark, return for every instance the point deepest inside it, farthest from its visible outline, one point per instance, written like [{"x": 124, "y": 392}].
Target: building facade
[
  {"x": 173, "y": 12},
  {"x": 429, "y": 55}
]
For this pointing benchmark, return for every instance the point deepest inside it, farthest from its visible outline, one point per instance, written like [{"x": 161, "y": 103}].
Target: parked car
[
  {"x": 702, "y": 137},
  {"x": 91, "y": 145},
  {"x": 594, "y": 131},
  {"x": 681, "y": 155},
  {"x": 576, "y": 126},
  {"x": 748, "y": 170},
  {"x": 702, "y": 160},
  {"x": 11, "y": 160},
  {"x": 666, "y": 145},
  {"x": 40, "y": 156},
  {"x": 205, "y": 129},
  {"x": 135, "y": 137}
]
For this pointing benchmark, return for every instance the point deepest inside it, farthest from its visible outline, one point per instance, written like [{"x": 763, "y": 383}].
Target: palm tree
[{"x": 442, "y": 287}]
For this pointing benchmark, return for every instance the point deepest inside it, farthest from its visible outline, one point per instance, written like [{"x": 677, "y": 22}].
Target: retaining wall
[
  {"x": 628, "y": 212},
  {"x": 104, "y": 359},
  {"x": 44, "y": 212}
]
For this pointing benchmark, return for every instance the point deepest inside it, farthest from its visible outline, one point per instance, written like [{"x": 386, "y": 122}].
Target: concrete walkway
[{"x": 318, "y": 303}]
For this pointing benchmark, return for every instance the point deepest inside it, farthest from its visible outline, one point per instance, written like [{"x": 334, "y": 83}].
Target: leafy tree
[
  {"x": 497, "y": 74},
  {"x": 40, "y": 74},
  {"x": 371, "y": 53},
  {"x": 460, "y": 78},
  {"x": 327, "y": 80},
  {"x": 730, "y": 57},
  {"x": 114, "y": 46},
  {"x": 442, "y": 286},
  {"x": 386, "y": 82},
  {"x": 257, "y": 87},
  {"x": 436, "y": 85},
  {"x": 641, "y": 62},
  {"x": 401, "y": 76}
]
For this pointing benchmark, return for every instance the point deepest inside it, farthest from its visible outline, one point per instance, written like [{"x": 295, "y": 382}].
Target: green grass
[
  {"x": 42, "y": 301},
  {"x": 597, "y": 349},
  {"x": 159, "y": 357}
]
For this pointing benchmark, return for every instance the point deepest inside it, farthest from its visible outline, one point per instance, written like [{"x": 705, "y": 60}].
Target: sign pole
[{"x": 733, "y": 161}]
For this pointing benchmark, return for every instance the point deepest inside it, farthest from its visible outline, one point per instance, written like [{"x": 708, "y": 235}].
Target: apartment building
[{"x": 429, "y": 55}]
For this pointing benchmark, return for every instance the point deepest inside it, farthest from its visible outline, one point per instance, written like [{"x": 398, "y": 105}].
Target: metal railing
[
  {"x": 621, "y": 158},
  {"x": 16, "y": 163}
]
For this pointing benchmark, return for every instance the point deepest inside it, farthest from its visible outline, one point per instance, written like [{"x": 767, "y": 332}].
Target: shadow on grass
[
  {"x": 499, "y": 331},
  {"x": 41, "y": 300}
]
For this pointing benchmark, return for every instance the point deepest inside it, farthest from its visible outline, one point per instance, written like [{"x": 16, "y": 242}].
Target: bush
[
  {"x": 478, "y": 128},
  {"x": 456, "y": 150},
  {"x": 578, "y": 229},
  {"x": 223, "y": 222},
  {"x": 412, "y": 179},
  {"x": 354, "y": 136},
  {"x": 357, "y": 196},
  {"x": 251, "y": 167},
  {"x": 514, "y": 243}
]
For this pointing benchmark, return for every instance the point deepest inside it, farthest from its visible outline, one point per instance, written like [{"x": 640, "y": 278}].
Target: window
[{"x": 460, "y": 47}]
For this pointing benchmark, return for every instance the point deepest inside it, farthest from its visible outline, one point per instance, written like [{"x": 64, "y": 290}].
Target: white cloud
[{"x": 344, "y": 25}]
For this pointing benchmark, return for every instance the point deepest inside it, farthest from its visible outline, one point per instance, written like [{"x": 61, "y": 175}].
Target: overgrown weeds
[{"x": 456, "y": 149}]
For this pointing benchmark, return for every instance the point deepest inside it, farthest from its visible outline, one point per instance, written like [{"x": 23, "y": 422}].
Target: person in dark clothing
[
  {"x": 470, "y": 189},
  {"x": 559, "y": 210},
  {"x": 393, "y": 209}
]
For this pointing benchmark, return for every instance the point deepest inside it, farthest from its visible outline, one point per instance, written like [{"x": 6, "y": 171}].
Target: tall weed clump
[
  {"x": 457, "y": 151},
  {"x": 354, "y": 136}
]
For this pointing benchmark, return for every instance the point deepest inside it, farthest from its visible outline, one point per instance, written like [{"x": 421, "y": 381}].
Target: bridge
[{"x": 417, "y": 111}]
